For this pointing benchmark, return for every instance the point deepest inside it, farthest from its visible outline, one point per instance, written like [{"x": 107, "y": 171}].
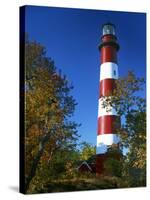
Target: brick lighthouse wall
[{"x": 107, "y": 117}]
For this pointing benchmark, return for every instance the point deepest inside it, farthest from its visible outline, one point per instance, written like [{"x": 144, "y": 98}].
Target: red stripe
[
  {"x": 107, "y": 87},
  {"x": 108, "y": 54},
  {"x": 108, "y": 38},
  {"x": 108, "y": 124}
]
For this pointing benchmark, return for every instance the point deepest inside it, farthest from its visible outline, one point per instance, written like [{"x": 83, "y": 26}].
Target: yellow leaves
[
  {"x": 140, "y": 153},
  {"x": 142, "y": 136},
  {"x": 36, "y": 100},
  {"x": 69, "y": 168},
  {"x": 47, "y": 103},
  {"x": 34, "y": 130},
  {"x": 87, "y": 151}
]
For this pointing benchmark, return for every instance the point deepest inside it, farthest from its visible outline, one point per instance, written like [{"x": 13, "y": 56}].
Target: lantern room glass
[{"x": 108, "y": 29}]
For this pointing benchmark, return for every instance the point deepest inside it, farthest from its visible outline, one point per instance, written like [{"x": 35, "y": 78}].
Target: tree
[
  {"x": 136, "y": 156},
  {"x": 87, "y": 150},
  {"x": 114, "y": 162},
  {"x": 48, "y": 108},
  {"x": 130, "y": 103}
]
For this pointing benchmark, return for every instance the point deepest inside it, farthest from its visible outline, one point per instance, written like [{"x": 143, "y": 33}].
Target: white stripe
[
  {"x": 107, "y": 139},
  {"x": 104, "y": 141},
  {"x": 107, "y": 110},
  {"x": 109, "y": 70}
]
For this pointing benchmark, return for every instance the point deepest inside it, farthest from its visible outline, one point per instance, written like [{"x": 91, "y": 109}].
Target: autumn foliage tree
[
  {"x": 129, "y": 101},
  {"x": 49, "y": 132},
  {"x": 87, "y": 151}
]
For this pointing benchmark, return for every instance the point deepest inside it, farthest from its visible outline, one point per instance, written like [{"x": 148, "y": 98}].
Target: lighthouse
[{"x": 107, "y": 116}]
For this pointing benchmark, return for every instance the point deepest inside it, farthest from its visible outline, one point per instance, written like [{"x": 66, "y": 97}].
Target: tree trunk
[{"x": 36, "y": 162}]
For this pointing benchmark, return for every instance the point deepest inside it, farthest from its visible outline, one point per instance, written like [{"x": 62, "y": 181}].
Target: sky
[{"x": 71, "y": 38}]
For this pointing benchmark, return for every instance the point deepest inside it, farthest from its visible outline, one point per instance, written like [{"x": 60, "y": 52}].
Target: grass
[{"x": 81, "y": 184}]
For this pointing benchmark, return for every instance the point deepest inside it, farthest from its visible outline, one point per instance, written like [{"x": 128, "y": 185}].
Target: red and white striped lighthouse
[{"x": 106, "y": 134}]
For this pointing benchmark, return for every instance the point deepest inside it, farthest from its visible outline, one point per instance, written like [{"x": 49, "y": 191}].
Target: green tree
[
  {"x": 87, "y": 150},
  {"x": 114, "y": 162},
  {"x": 48, "y": 108},
  {"x": 135, "y": 162},
  {"x": 130, "y": 103}
]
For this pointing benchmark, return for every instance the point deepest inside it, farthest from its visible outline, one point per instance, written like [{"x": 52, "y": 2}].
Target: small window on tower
[{"x": 114, "y": 72}]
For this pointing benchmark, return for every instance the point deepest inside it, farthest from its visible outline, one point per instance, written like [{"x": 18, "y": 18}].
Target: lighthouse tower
[{"x": 107, "y": 117}]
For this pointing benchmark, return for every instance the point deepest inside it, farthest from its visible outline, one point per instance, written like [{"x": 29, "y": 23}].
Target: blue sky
[{"x": 71, "y": 38}]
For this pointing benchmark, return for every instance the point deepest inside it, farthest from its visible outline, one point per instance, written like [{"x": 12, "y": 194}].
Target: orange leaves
[{"x": 48, "y": 106}]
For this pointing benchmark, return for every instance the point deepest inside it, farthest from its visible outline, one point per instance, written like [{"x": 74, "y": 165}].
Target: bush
[{"x": 113, "y": 167}]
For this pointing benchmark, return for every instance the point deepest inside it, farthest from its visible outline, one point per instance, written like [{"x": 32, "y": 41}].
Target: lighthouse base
[
  {"x": 113, "y": 154},
  {"x": 100, "y": 159}
]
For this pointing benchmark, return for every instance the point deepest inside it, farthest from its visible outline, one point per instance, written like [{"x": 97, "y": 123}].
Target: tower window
[{"x": 114, "y": 72}]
